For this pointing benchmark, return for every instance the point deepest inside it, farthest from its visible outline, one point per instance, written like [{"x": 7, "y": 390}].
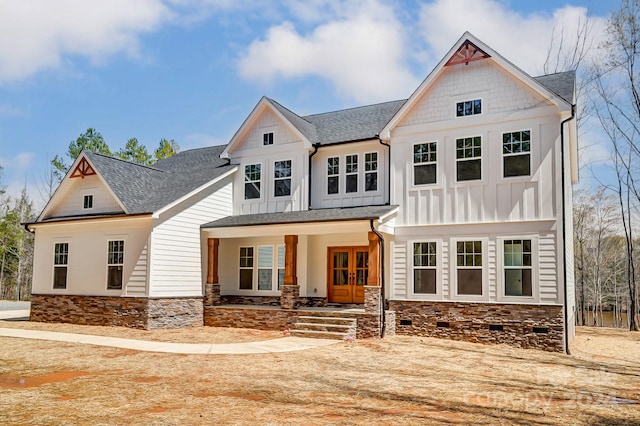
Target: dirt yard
[{"x": 395, "y": 381}]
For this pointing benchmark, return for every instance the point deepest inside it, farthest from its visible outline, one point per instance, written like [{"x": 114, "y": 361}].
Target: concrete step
[
  {"x": 317, "y": 326},
  {"x": 319, "y": 334},
  {"x": 326, "y": 320},
  {"x": 324, "y": 327}
]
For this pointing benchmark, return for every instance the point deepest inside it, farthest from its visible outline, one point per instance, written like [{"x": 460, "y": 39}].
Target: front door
[{"x": 347, "y": 274}]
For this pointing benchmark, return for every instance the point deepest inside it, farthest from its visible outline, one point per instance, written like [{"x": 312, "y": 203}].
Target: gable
[{"x": 499, "y": 91}]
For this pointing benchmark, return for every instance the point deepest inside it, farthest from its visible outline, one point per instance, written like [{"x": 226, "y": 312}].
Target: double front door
[{"x": 348, "y": 269}]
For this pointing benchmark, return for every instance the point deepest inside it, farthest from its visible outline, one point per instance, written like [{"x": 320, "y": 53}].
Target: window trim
[
  {"x": 244, "y": 182},
  {"x": 424, "y": 163},
  {"x": 367, "y": 172},
  {"x": 466, "y": 99},
  {"x": 266, "y": 138},
  {"x": 500, "y": 268},
  {"x": 66, "y": 265},
  {"x": 453, "y": 264},
  {"x": 290, "y": 178},
  {"x": 356, "y": 173},
  {"x": 439, "y": 276},
  {"x": 336, "y": 175},
  {"x": 503, "y": 156},
  {"x": 483, "y": 147},
  {"x": 109, "y": 239},
  {"x": 85, "y": 198},
  {"x": 275, "y": 269}
]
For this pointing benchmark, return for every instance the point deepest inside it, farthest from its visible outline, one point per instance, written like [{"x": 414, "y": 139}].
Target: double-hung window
[
  {"x": 265, "y": 268},
  {"x": 465, "y": 108},
  {"x": 333, "y": 175},
  {"x": 282, "y": 178},
  {"x": 115, "y": 264},
  {"x": 246, "y": 268},
  {"x": 259, "y": 265},
  {"x": 517, "y": 268},
  {"x": 280, "y": 266},
  {"x": 516, "y": 147},
  {"x": 371, "y": 171},
  {"x": 351, "y": 173},
  {"x": 469, "y": 267},
  {"x": 60, "y": 264},
  {"x": 424, "y": 268},
  {"x": 424, "y": 163},
  {"x": 252, "y": 181},
  {"x": 469, "y": 158}
]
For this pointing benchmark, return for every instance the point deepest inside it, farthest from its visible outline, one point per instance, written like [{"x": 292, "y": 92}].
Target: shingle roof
[
  {"x": 561, "y": 83},
  {"x": 145, "y": 189},
  {"x": 305, "y": 216}
]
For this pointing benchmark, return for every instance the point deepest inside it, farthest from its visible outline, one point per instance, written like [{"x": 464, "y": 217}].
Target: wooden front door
[{"x": 348, "y": 269}]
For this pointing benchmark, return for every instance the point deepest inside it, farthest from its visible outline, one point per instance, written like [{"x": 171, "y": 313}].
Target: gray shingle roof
[
  {"x": 561, "y": 83},
  {"x": 305, "y": 216},
  {"x": 145, "y": 189}
]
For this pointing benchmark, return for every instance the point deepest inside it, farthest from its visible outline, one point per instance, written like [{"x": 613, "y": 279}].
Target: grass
[{"x": 399, "y": 381}]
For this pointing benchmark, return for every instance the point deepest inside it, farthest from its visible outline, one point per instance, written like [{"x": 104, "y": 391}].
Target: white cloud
[
  {"x": 37, "y": 34},
  {"x": 360, "y": 52},
  {"x": 523, "y": 39}
]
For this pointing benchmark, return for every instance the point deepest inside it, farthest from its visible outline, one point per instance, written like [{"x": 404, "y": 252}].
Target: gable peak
[
  {"x": 467, "y": 52},
  {"x": 83, "y": 169}
]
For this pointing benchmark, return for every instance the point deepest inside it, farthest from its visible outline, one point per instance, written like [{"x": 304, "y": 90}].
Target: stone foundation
[
  {"x": 524, "y": 326},
  {"x": 133, "y": 312},
  {"x": 289, "y": 297}
]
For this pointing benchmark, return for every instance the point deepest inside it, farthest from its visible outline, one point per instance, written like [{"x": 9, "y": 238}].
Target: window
[
  {"x": 515, "y": 150},
  {"x": 424, "y": 268},
  {"x": 371, "y": 171},
  {"x": 469, "y": 108},
  {"x": 282, "y": 178},
  {"x": 424, "y": 163},
  {"x": 115, "y": 263},
  {"x": 468, "y": 159},
  {"x": 265, "y": 268},
  {"x": 280, "y": 267},
  {"x": 60, "y": 262},
  {"x": 333, "y": 175},
  {"x": 469, "y": 263},
  {"x": 352, "y": 173},
  {"x": 252, "y": 181},
  {"x": 517, "y": 268},
  {"x": 267, "y": 138},
  {"x": 246, "y": 268},
  {"x": 88, "y": 202}
]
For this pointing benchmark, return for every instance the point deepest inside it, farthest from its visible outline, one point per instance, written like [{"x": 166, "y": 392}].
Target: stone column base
[
  {"x": 289, "y": 297},
  {"x": 211, "y": 294},
  {"x": 372, "y": 299}
]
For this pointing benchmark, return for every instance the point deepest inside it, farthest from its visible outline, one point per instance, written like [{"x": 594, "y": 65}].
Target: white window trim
[
  {"x": 439, "y": 258},
  {"x": 338, "y": 175},
  {"x": 92, "y": 201},
  {"x": 53, "y": 264},
  {"x": 453, "y": 264},
  {"x": 500, "y": 284},
  {"x": 273, "y": 174},
  {"x": 523, "y": 178},
  {"x": 412, "y": 165},
  {"x": 484, "y": 141},
  {"x": 106, "y": 263},
  {"x": 261, "y": 198},
  {"x": 357, "y": 174},
  {"x": 466, "y": 98},
  {"x": 266, "y": 132},
  {"x": 274, "y": 271},
  {"x": 376, "y": 171}
]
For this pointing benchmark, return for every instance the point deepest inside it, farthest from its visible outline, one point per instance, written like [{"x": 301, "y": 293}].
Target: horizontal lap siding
[
  {"x": 548, "y": 275},
  {"x": 137, "y": 284},
  {"x": 177, "y": 258},
  {"x": 399, "y": 272}
]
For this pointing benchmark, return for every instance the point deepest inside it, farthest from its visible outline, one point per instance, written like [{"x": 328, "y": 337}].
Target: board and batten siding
[
  {"x": 176, "y": 261},
  {"x": 72, "y": 199}
]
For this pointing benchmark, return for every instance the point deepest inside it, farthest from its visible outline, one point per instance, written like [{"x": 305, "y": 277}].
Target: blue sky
[{"x": 192, "y": 70}]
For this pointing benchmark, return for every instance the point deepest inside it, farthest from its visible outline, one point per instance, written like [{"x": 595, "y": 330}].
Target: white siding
[
  {"x": 399, "y": 278},
  {"x": 137, "y": 285},
  {"x": 176, "y": 264},
  {"x": 70, "y": 201}
]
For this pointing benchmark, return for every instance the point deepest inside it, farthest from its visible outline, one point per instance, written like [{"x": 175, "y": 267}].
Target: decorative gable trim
[
  {"x": 82, "y": 169},
  {"x": 468, "y": 52}
]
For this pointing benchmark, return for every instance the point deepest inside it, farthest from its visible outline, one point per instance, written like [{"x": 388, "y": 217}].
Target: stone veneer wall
[
  {"x": 133, "y": 312},
  {"x": 525, "y": 326}
]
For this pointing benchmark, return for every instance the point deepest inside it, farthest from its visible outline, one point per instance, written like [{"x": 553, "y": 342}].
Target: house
[{"x": 445, "y": 214}]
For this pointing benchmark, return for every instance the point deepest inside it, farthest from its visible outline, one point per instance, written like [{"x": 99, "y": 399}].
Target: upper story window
[
  {"x": 517, "y": 268},
  {"x": 351, "y": 173},
  {"x": 371, "y": 171},
  {"x": 115, "y": 264},
  {"x": 516, "y": 147},
  {"x": 60, "y": 263},
  {"x": 88, "y": 202},
  {"x": 469, "y": 159},
  {"x": 424, "y": 268},
  {"x": 333, "y": 175},
  {"x": 282, "y": 178},
  {"x": 469, "y": 108},
  {"x": 424, "y": 163},
  {"x": 252, "y": 181},
  {"x": 267, "y": 138},
  {"x": 469, "y": 264}
]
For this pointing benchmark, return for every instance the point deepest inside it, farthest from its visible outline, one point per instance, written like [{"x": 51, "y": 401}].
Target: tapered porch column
[
  {"x": 372, "y": 291},
  {"x": 290, "y": 289},
  {"x": 212, "y": 287}
]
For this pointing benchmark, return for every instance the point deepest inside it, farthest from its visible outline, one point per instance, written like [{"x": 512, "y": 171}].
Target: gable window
[
  {"x": 246, "y": 268},
  {"x": 252, "y": 181},
  {"x": 333, "y": 175},
  {"x": 60, "y": 263},
  {"x": 469, "y": 264},
  {"x": 115, "y": 263},
  {"x": 424, "y": 268},
  {"x": 351, "y": 173},
  {"x": 468, "y": 159},
  {"x": 469, "y": 108},
  {"x": 371, "y": 171},
  {"x": 516, "y": 147},
  {"x": 267, "y": 138},
  {"x": 517, "y": 268},
  {"x": 424, "y": 163},
  {"x": 282, "y": 178},
  {"x": 88, "y": 202}
]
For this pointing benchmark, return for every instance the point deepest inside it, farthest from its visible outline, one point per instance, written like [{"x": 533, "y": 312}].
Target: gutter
[
  {"x": 564, "y": 229},
  {"x": 382, "y": 286},
  {"x": 315, "y": 151},
  {"x": 388, "y": 170}
]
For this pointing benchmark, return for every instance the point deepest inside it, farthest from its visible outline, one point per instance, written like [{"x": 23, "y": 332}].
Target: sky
[{"x": 192, "y": 70}]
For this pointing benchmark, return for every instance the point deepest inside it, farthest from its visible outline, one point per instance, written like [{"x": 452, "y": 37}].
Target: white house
[{"x": 444, "y": 214}]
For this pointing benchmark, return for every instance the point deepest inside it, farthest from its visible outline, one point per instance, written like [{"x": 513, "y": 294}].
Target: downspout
[
  {"x": 382, "y": 292},
  {"x": 388, "y": 170},
  {"x": 564, "y": 229},
  {"x": 315, "y": 151}
]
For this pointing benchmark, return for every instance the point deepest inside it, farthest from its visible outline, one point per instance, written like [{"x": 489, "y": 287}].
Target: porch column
[
  {"x": 372, "y": 291},
  {"x": 290, "y": 288},
  {"x": 212, "y": 287}
]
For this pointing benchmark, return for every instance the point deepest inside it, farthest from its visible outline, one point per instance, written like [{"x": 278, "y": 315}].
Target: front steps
[{"x": 324, "y": 327}]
